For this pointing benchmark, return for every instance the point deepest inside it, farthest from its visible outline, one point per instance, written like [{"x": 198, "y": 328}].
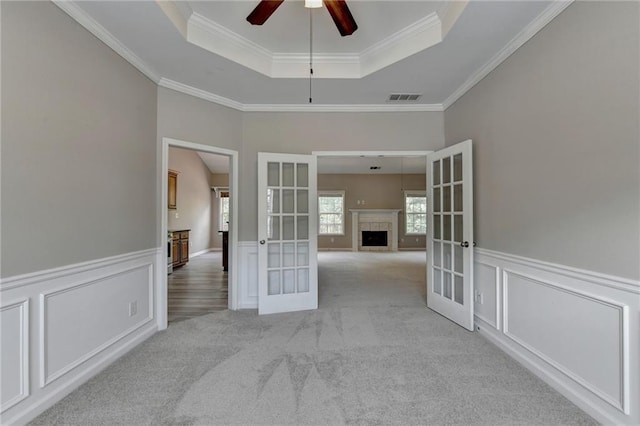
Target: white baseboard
[
  {"x": 578, "y": 330},
  {"x": 107, "y": 306},
  {"x": 335, "y": 249},
  {"x": 248, "y": 275},
  {"x": 412, "y": 249}
]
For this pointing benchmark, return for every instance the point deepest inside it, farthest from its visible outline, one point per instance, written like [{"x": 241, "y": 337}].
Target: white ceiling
[
  {"x": 215, "y": 163},
  {"x": 484, "y": 33}
]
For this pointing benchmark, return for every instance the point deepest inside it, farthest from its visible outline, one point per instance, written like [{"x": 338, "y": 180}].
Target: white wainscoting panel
[
  {"x": 487, "y": 293},
  {"x": 76, "y": 323},
  {"x": 578, "y": 330},
  {"x": 248, "y": 275},
  {"x": 14, "y": 324},
  {"x": 69, "y": 323},
  {"x": 562, "y": 333}
]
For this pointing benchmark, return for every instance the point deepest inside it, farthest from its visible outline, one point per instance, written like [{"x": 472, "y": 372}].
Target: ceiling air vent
[{"x": 404, "y": 97}]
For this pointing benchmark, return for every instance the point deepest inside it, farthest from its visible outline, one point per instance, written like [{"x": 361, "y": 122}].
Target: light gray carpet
[{"x": 372, "y": 354}]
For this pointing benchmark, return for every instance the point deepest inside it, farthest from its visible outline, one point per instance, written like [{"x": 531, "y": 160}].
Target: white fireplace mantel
[{"x": 374, "y": 215}]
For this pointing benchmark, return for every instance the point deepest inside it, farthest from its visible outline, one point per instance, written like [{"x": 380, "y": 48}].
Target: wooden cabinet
[
  {"x": 180, "y": 247},
  {"x": 172, "y": 196}
]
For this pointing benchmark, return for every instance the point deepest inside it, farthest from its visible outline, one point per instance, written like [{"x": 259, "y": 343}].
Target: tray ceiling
[{"x": 436, "y": 49}]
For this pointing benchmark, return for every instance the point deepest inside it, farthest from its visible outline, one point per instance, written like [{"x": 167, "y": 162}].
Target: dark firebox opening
[{"x": 374, "y": 238}]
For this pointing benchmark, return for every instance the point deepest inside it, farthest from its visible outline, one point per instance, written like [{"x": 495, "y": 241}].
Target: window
[
  {"x": 415, "y": 207},
  {"x": 331, "y": 213},
  {"x": 223, "y": 208}
]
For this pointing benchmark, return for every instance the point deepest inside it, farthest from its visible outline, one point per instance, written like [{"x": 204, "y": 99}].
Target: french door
[
  {"x": 450, "y": 233},
  {"x": 287, "y": 233}
]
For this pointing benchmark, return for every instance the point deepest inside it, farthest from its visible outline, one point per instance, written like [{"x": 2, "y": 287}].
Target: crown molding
[
  {"x": 342, "y": 108},
  {"x": 207, "y": 96},
  {"x": 198, "y": 93},
  {"x": 547, "y": 15},
  {"x": 217, "y": 39},
  {"x": 91, "y": 25},
  {"x": 418, "y": 36}
]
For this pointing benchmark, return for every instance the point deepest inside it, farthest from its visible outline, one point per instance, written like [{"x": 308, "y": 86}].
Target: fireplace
[
  {"x": 374, "y": 238},
  {"x": 374, "y": 229}
]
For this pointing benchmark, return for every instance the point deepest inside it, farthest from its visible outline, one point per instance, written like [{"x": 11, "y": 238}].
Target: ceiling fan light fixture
[{"x": 312, "y": 4}]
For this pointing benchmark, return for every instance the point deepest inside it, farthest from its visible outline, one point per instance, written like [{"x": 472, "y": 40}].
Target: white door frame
[{"x": 162, "y": 295}]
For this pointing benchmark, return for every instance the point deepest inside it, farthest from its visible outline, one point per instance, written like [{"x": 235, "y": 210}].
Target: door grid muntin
[
  {"x": 287, "y": 228},
  {"x": 448, "y": 228}
]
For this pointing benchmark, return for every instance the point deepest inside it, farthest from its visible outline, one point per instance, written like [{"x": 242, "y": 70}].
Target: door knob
[
  {"x": 261, "y": 241},
  {"x": 464, "y": 244}
]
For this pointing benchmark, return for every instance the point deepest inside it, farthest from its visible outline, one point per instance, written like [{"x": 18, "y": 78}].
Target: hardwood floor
[{"x": 198, "y": 288}]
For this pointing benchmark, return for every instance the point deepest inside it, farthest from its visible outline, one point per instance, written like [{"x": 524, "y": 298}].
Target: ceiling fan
[{"x": 338, "y": 10}]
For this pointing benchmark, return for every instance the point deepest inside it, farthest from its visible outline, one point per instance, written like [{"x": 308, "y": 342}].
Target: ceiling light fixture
[{"x": 312, "y": 4}]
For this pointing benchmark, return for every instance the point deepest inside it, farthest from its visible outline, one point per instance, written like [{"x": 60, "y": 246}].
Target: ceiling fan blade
[
  {"x": 263, "y": 11},
  {"x": 342, "y": 17}
]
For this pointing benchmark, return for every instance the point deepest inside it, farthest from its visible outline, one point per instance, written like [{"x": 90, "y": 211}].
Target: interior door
[
  {"x": 450, "y": 233},
  {"x": 287, "y": 233}
]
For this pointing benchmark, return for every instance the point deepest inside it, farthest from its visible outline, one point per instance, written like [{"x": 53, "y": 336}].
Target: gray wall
[
  {"x": 302, "y": 133},
  {"x": 555, "y": 130},
  {"x": 193, "y": 201},
  {"x": 187, "y": 118},
  {"x": 382, "y": 191},
  {"x": 190, "y": 119},
  {"x": 78, "y": 144}
]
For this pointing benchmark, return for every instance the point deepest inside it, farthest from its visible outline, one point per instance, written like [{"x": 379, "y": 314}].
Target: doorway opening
[
  {"x": 200, "y": 216},
  {"x": 373, "y": 232}
]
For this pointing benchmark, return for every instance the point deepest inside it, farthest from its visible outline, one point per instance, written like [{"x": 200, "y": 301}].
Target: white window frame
[
  {"x": 413, "y": 193},
  {"x": 219, "y": 190},
  {"x": 335, "y": 193}
]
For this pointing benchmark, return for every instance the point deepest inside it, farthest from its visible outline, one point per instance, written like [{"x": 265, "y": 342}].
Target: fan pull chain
[{"x": 310, "y": 52}]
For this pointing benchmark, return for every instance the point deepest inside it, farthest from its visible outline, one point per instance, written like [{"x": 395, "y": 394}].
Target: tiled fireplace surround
[{"x": 374, "y": 220}]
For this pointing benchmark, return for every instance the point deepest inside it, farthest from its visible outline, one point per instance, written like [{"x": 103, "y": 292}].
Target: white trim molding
[
  {"x": 55, "y": 273},
  {"x": 47, "y": 377},
  {"x": 23, "y": 334},
  {"x": 578, "y": 330},
  {"x": 230, "y": 103},
  {"x": 84, "y": 317},
  {"x": 210, "y": 35},
  {"x": 248, "y": 277},
  {"x": 198, "y": 93}
]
